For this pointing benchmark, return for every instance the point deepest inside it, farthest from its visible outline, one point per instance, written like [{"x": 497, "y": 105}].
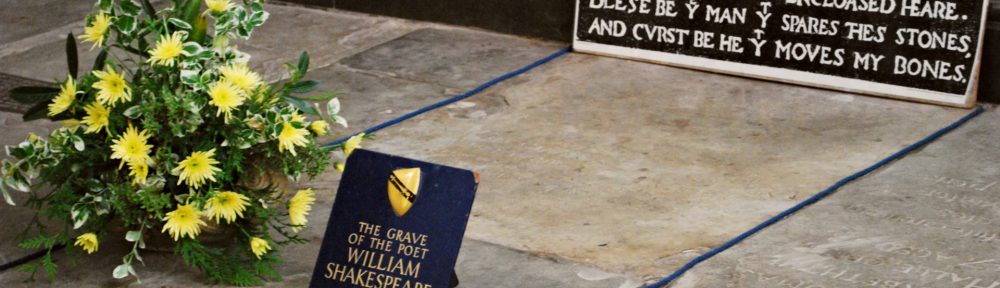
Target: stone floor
[{"x": 599, "y": 172}]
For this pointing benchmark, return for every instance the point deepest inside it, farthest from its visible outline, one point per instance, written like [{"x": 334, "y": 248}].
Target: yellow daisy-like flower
[
  {"x": 218, "y": 6},
  {"x": 259, "y": 246},
  {"x": 112, "y": 87},
  {"x": 340, "y": 167},
  {"x": 226, "y": 96},
  {"x": 291, "y": 137},
  {"x": 88, "y": 242},
  {"x": 197, "y": 168},
  {"x": 227, "y": 205},
  {"x": 71, "y": 123},
  {"x": 319, "y": 127},
  {"x": 241, "y": 77},
  {"x": 298, "y": 118},
  {"x": 97, "y": 30},
  {"x": 183, "y": 222},
  {"x": 167, "y": 50},
  {"x": 131, "y": 146},
  {"x": 97, "y": 117},
  {"x": 353, "y": 143},
  {"x": 299, "y": 207},
  {"x": 65, "y": 98},
  {"x": 139, "y": 170}
]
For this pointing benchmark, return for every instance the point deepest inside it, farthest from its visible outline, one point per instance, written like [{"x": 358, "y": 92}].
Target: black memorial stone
[{"x": 927, "y": 45}]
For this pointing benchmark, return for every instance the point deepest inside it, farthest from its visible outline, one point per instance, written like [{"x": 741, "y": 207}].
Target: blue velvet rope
[
  {"x": 465, "y": 95},
  {"x": 814, "y": 199}
]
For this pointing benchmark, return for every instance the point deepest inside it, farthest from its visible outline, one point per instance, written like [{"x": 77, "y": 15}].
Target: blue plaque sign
[{"x": 396, "y": 222}]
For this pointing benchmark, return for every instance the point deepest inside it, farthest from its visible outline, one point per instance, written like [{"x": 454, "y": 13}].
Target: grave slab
[
  {"x": 16, "y": 218},
  {"x": 457, "y": 58},
  {"x": 47, "y": 62},
  {"x": 928, "y": 220},
  {"x": 22, "y": 19},
  {"x": 328, "y": 36},
  {"x": 631, "y": 167},
  {"x": 369, "y": 99}
]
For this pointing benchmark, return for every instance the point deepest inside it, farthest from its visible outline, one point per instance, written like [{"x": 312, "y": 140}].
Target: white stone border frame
[{"x": 967, "y": 100}]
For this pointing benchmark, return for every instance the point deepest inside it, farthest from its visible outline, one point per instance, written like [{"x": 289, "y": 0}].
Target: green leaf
[
  {"x": 129, "y": 8},
  {"x": 302, "y": 105},
  {"x": 99, "y": 62},
  {"x": 333, "y": 107},
  {"x": 6, "y": 194},
  {"x": 304, "y": 86},
  {"x": 126, "y": 24},
  {"x": 50, "y": 267},
  {"x": 339, "y": 120},
  {"x": 33, "y": 94},
  {"x": 318, "y": 97},
  {"x": 36, "y": 112},
  {"x": 180, "y": 24},
  {"x": 132, "y": 236},
  {"x": 133, "y": 112},
  {"x": 303, "y": 63},
  {"x": 71, "y": 57},
  {"x": 148, "y": 8},
  {"x": 121, "y": 271}
]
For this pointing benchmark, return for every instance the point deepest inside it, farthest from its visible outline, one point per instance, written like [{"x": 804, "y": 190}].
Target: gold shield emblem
[{"x": 404, "y": 184}]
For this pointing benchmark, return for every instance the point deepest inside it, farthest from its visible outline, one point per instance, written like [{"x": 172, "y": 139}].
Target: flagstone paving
[
  {"x": 929, "y": 220},
  {"x": 596, "y": 172},
  {"x": 27, "y": 18},
  {"x": 633, "y": 167},
  {"x": 369, "y": 95}
]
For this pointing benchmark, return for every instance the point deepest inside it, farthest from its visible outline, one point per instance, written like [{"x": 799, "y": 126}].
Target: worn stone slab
[
  {"x": 15, "y": 218},
  {"x": 22, "y": 19},
  {"x": 928, "y": 220},
  {"x": 10, "y": 82},
  {"x": 626, "y": 165},
  {"x": 47, "y": 62},
  {"x": 457, "y": 58},
  {"x": 480, "y": 264},
  {"x": 369, "y": 99},
  {"x": 328, "y": 36}
]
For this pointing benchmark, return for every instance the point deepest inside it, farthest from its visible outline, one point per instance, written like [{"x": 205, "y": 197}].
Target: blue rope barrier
[
  {"x": 461, "y": 97},
  {"x": 814, "y": 199}
]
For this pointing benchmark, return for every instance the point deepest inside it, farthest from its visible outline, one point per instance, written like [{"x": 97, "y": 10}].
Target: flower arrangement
[{"x": 163, "y": 136}]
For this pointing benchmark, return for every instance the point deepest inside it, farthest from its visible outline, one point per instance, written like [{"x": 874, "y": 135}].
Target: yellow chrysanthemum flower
[
  {"x": 340, "y": 167},
  {"x": 97, "y": 30},
  {"x": 139, "y": 170},
  {"x": 167, "y": 50},
  {"x": 298, "y": 118},
  {"x": 259, "y": 246},
  {"x": 112, "y": 87},
  {"x": 65, "y": 98},
  {"x": 241, "y": 77},
  {"x": 319, "y": 127},
  {"x": 226, "y": 97},
  {"x": 218, "y": 6},
  {"x": 131, "y": 146},
  {"x": 226, "y": 205},
  {"x": 97, "y": 117},
  {"x": 291, "y": 137},
  {"x": 353, "y": 143},
  {"x": 197, "y": 168},
  {"x": 87, "y": 241},
  {"x": 71, "y": 123},
  {"x": 299, "y": 207},
  {"x": 183, "y": 222}
]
